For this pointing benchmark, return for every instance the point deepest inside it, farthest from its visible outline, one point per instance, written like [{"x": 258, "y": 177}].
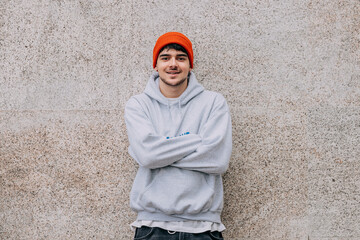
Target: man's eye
[{"x": 164, "y": 58}]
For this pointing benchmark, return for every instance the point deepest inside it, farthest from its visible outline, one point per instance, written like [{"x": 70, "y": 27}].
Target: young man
[{"x": 180, "y": 135}]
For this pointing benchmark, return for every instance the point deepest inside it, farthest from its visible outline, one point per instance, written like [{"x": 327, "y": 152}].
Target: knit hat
[{"x": 173, "y": 37}]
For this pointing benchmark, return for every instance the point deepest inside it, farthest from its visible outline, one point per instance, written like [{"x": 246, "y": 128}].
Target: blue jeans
[{"x": 148, "y": 233}]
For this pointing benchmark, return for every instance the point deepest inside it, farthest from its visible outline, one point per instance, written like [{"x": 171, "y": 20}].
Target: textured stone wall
[{"x": 290, "y": 71}]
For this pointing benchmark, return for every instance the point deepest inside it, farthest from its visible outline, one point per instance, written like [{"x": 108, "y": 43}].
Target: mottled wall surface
[{"x": 290, "y": 71}]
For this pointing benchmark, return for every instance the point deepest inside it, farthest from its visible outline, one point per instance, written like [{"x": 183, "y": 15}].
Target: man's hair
[{"x": 174, "y": 46}]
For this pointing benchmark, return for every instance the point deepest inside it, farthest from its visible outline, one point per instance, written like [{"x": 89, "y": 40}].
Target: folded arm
[
  {"x": 149, "y": 149},
  {"x": 213, "y": 155}
]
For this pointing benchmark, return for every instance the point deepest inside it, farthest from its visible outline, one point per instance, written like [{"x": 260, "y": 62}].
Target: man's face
[{"x": 173, "y": 67}]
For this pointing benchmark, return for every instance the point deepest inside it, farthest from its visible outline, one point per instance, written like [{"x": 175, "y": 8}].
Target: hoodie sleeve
[
  {"x": 150, "y": 149},
  {"x": 213, "y": 155}
]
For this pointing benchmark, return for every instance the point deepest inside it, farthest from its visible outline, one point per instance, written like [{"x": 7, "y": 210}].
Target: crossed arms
[{"x": 208, "y": 151}]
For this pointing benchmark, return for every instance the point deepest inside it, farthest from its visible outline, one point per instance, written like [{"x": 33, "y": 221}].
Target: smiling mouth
[{"x": 173, "y": 73}]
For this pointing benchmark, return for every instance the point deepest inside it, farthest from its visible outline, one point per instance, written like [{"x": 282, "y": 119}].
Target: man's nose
[{"x": 173, "y": 62}]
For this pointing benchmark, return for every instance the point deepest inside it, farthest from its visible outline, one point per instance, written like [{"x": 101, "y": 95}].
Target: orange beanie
[{"x": 173, "y": 37}]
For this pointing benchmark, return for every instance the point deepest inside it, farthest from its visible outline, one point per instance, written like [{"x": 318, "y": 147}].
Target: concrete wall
[{"x": 290, "y": 71}]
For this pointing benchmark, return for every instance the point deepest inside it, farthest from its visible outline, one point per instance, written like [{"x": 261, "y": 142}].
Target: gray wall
[{"x": 290, "y": 71}]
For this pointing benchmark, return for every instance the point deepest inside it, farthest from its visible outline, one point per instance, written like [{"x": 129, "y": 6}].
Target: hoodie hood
[{"x": 193, "y": 89}]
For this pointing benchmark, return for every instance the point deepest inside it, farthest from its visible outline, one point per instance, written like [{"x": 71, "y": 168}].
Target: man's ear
[{"x": 156, "y": 68}]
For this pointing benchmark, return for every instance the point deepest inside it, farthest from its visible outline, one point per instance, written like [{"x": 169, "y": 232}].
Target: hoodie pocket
[{"x": 177, "y": 191}]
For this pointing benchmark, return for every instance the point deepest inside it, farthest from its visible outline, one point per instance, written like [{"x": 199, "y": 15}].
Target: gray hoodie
[{"x": 182, "y": 149}]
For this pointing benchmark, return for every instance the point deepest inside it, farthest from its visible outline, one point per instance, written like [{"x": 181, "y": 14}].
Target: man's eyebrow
[
  {"x": 182, "y": 55},
  {"x": 177, "y": 55}
]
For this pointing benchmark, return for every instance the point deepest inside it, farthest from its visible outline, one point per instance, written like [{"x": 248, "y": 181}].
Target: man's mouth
[{"x": 172, "y": 72}]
